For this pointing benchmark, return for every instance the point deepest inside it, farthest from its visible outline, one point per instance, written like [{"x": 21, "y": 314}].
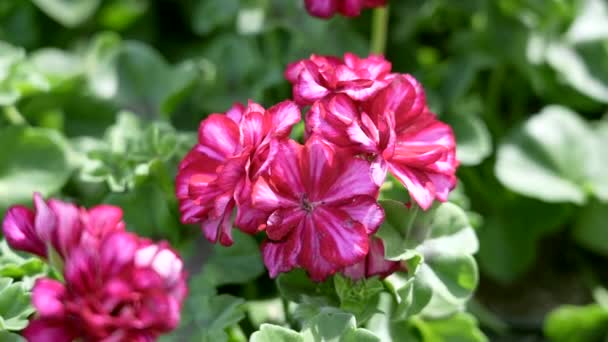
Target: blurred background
[{"x": 101, "y": 98}]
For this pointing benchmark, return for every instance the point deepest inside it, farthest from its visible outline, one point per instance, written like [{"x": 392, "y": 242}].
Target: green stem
[
  {"x": 13, "y": 116},
  {"x": 379, "y": 30}
]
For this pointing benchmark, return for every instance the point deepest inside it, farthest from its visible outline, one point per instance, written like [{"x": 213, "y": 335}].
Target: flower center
[{"x": 307, "y": 205}]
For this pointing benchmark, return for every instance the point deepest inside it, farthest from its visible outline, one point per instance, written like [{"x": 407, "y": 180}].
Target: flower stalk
[{"x": 379, "y": 30}]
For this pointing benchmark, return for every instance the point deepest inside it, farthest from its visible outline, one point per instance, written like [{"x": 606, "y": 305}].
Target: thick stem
[{"x": 379, "y": 30}]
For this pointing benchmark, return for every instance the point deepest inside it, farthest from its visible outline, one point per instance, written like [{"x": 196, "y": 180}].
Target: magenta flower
[
  {"x": 348, "y": 8},
  {"x": 374, "y": 263},
  {"x": 232, "y": 151},
  {"x": 59, "y": 224},
  {"x": 320, "y": 76},
  {"x": 398, "y": 133},
  {"x": 322, "y": 206},
  {"x": 127, "y": 289}
]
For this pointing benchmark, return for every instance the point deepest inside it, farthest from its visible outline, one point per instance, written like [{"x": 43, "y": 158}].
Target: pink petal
[
  {"x": 47, "y": 298},
  {"x": 282, "y": 221},
  {"x": 318, "y": 167},
  {"x": 218, "y": 137},
  {"x": 378, "y": 168},
  {"x": 235, "y": 113},
  {"x": 285, "y": 186},
  {"x": 330, "y": 242},
  {"x": 353, "y": 178},
  {"x": 293, "y": 70},
  {"x": 418, "y": 183},
  {"x": 374, "y": 66},
  {"x": 309, "y": 88},
  {"x": 219, "y": 228},
  {"x": 46, "y": 330},
  {"x": 376, "y": 263},
  {"x": 253, "y": 129},
  {"x": 365, "y": 210},
  {"x": 282, "y": 256},
  {"x": 356, "y": 271},
  {"x": 249, "y": 219},
  {"x": 18, "y": 229},
  {"x": 267, "y": 198},
  {"x": 321, "y": 8},
  {"x": 45, "y": 221},
  {"x": 68, "y": 229},
  {"x": 104, "y": 219},
  {"x": 117, "y": 251},
  {"x": 283, "y": 116},
  {"x": 365, "y": 134}
]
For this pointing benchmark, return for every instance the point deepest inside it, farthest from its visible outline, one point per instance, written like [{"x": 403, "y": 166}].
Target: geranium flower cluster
[
  {"x": 348, "y": 8},
  {"x": 118, "y": 286},
  {"x": 317, "y": 202}
]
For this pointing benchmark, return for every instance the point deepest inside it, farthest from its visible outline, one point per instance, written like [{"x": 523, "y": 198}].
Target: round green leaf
[
  {"x": 69, "y": 13},
  {"x": 548, "y": 157},
  {"x": 474, "y": 143},
  {"x": 272, "y": 333},
  {"x": 571, "y": 323},
  {"x": 34, "y": 159}
]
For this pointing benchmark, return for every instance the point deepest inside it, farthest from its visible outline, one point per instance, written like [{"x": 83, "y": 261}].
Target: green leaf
[
  {"x": 152, "y": 193},
  {"x": 6, "y": 336},
  {"x": 474, "y": 143},
  {"x": 210, "y": 14},
  {"x": 508, "y": 238},
  {"x": 21, "y": 173},
  {"x": 15, "y": 307},
  {"x": 358, "y": 297},
  {"x": 330, "y": 325},
  {"x": 100, "y": 64},
  {"x": 57, "y": 65},
  {"x": 147, "y": 84},
  {"x": 237, "y": 264},
  {"x": 119, "y": 14},
  {"x": 590, "y": 23},
  {"x": 590, "y": 229},
  {"x": 335, "y": 326},
  {"x": 206, "y": 317},
  {"x": 570, "y": 65},
  {"x": 272, "y": 333},
  {"x": 549, "y": 157},
  {"x": 411, "y": 292},
  {"x": 265, "y": 311},
  {"x": 443, "y": 239},
  {"x": 69, "y": 13},
  {"x": 130, "y": 153},
  {"x": 296, "y": 285},
  {"x": 18, "y": 77},
  {"x": 461, "y": 327},
  {"x": 15, "y": 266},
  {"x": 571, "y": 323}
]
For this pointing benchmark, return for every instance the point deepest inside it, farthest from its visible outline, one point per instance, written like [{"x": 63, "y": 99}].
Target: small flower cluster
[
  {"x": 317, "y": 202},
  {"x": 348, "y": 8},
  {"x": 118, "y": 286}
]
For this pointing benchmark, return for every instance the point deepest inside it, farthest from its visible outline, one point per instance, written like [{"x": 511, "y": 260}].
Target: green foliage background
[{"x": 101, "y": 98}]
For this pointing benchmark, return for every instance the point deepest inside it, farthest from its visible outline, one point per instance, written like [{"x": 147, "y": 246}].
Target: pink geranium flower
[
  {"x": 322, "y": 206},
  {"x": 398, "y": 133},
  {"x": 58, "y": 224},
  {"x": 349, "y": 8},
  {"x": 232, "y": 151},
  {"x": 319, "y": 76},
  {"x": 374, "y": 263},
  {"x": 127, "y": 289}
]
